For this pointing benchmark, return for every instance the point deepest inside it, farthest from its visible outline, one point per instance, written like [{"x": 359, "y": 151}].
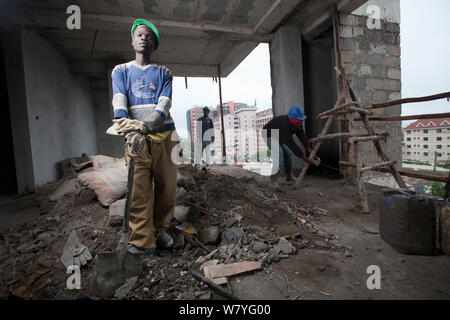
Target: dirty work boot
[
  {"x": 147, "y": 253},
  {"x": 165, "y": 240}
]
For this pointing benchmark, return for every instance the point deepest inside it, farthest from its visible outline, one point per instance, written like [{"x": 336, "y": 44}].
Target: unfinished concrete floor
[
  {"x": 335, "y": 249},
  {"x": 342, "y": 273}
]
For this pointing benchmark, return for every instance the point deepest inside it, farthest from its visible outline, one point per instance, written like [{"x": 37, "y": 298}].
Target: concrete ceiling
[{"x": 197, "y": 36}]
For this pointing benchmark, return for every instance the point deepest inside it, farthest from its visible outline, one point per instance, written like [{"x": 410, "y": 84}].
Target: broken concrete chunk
[
  {"x": 68, "y": 188},
  {"x": 259, "y": 246},
  {"x": 183, "y": 180},
  {"x": 116, "y": 213},
  {"x": 210, "y": 235},
  {"x": 231, "y": 222},
  {"x": 181, "y": 213},
  {"x": 285, "y": 246},
  {"x": 206, "y": 296},
  {"x": 232, "y": 235},
  {"x": 125, "y": 288},
  {"x": 181, "y": 193}
]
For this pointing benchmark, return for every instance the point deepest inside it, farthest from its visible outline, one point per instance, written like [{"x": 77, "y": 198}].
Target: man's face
[
  {"x": 206, "y": 113},
  {"x": 143, "y": 40}
]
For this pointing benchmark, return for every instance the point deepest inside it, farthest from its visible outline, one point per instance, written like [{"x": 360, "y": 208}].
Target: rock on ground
[
  {"x": 210, "y": 235},
  {"x": 116, "y": 213}
]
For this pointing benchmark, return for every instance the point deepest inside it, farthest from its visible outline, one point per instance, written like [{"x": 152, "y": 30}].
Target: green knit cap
[{"x": 140, "y": 22}]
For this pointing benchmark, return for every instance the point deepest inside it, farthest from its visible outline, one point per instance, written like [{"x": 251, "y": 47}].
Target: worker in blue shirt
[{"x": 142, "y": 98}]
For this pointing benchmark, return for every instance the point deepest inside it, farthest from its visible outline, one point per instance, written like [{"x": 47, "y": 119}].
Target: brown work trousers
[{"x": 151, "y": 210}]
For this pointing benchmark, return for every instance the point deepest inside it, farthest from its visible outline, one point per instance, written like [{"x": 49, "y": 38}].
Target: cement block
[
  {"x": 347, "y": 19},
  {"x": 379, "y": 96},
  {"x": 365, "y": 70},
  {"x": 376, "y": 84},
  {"x": 394, "y": 74},
  {"x": 395, "y": 96},
  {"x": 346, "y": 32},
  {"x": 377, "y": 49},
  {"x": 358, "y": 32},
  {"x": 116, "y": 213},
  {"x": 393, "y": 51},
  {"x": 392, "y": 85},
  {"x": 348, "y": 44},
  {"x": 379, "y": 71},
  {"x": 374, "y": 59},
  {"x": 350, "y": 69},
  {"x": 347, "y": 56},
  {"x": 392, "y": 62}
]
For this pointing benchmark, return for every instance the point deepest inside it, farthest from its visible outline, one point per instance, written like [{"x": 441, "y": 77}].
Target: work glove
[
  {"x": 154, "y": 122},
  {"x": 128, "y": 125},
  {"x": 135, "y": 142},
  {"x": 74, "y": 253}
]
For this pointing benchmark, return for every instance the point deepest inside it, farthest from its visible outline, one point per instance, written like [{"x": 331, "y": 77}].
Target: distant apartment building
[
  {"x": 425, "y": 139},
  {"x": 243, "y": 125},
  {"x": 262, "y": 117}
]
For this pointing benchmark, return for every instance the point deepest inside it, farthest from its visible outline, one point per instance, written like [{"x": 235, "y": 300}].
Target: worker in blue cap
[
  {"x": 288, "y": 126},
  {"x": 142, "y": 99}
]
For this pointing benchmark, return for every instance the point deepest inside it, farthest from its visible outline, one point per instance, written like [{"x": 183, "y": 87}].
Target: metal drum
[{"x": 408, "y": 222}]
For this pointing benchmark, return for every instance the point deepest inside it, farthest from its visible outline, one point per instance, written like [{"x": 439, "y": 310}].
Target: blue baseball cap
[{"x": 296, "y": 112}]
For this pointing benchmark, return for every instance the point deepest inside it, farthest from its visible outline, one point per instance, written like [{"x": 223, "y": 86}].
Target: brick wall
[{"x": 371, "y": 59}]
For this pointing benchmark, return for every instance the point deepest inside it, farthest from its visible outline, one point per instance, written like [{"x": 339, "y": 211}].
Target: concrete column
[
  {"x": 19, "y": 112},
  {"x": 286, "y": 70}
]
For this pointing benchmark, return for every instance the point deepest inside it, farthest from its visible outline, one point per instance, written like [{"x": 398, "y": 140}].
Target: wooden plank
[
  {"x": 401, "y": 172},
  {"x": 317, "y": 145},
  {"x": 410, "y": 100},
  {"x": 226, "y": 270},
  {"x": 377, "y": 144},
  {"x": 361, "y": 185},
  {"x": 412, "y": 117},
  {"x": 333, "y": 136},
  {"x": 369, "y": 138}
]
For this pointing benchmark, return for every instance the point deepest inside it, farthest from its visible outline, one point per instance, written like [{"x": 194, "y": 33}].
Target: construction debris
[{"x": 234, "y": 237}]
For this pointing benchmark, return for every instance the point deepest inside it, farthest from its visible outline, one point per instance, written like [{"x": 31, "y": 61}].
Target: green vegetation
[{"x": 438, "y": 189}]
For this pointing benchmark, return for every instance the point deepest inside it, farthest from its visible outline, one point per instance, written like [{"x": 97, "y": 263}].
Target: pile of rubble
[{"x": 223, "y": 227}]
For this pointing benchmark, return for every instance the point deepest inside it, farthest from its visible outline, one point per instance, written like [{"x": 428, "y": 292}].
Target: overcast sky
[{"x": 425, "y": 62}]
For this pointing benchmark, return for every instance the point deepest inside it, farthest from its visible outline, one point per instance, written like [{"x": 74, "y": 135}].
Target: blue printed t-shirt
[{"x": 139, "y": 91}]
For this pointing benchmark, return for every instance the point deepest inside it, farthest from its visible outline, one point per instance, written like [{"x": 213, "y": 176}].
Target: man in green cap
[
  {"x": 142, "y": 98},
  {"x": 205, "y": 126}
]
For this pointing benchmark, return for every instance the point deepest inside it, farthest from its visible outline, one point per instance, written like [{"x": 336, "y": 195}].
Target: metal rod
[
  {"x": 224, "y": 152},
  {"x": 410, "y": 100},
  {"x": 214, "y": 286}
]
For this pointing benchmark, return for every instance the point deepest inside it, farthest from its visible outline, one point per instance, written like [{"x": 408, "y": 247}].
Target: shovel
[{"x": 111, "y": 269}]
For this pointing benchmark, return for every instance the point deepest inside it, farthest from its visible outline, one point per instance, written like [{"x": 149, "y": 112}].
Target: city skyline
[{"x": 423, "y": 71}]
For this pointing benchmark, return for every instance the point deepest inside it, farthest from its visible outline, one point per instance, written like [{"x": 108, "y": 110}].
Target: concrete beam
[
  {"x": 112, "y": 23},
  {"x": 276, "y": 13},
  {"x": 236, "y": 56},
  {"x": 314, "y": 17}
]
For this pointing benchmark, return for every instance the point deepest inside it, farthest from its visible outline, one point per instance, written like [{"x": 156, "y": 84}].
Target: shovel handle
[{"x": 126, "y": 214}]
